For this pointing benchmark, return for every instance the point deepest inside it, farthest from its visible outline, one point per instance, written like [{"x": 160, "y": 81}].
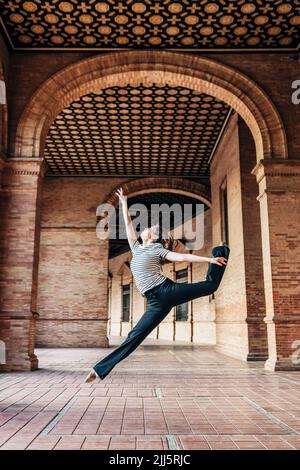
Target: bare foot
[{"x": 91, "y": 376}]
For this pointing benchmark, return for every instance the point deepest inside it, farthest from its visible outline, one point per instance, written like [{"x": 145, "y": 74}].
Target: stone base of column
[
  {"x": 17, "y": 345},
  {"x": 284, "y": 340},
  {"x": 257, "y": 339},
  {"x": 232, "y": 339},
  {"x": 242, "y": 340},
  {"x": 281, "y": 365},
  {"x": 256, "y": 356}
]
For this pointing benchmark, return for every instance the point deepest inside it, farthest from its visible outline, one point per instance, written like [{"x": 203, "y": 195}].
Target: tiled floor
[{"x": 163, "y": 396}]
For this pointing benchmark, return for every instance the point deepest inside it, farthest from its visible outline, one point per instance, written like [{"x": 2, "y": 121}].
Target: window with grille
[
  {"x": 182, "y": 310},
  {"x": 224, "y": 213},
  {"x": 126, "y": 302}
]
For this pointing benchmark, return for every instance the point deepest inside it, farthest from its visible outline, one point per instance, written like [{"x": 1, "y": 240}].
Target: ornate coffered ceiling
[
  {"x": 136, "y": 131},
  {"x": 167, "y": 24}
]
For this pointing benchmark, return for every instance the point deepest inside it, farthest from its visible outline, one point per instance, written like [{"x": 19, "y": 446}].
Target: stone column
[
  {"x": 254, "y": 284},
  {"x": 239, "y": 301},
  {"x": 19, "y": 248},
  {"x": 279, "y": 198}
]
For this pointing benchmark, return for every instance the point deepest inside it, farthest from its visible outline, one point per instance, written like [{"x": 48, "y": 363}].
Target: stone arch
[
  {"x": 162, "y": 184},
  {"x": 162, "y": 67}
]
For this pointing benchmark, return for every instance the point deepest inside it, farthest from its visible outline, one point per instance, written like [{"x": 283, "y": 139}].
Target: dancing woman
[{"x": 161, "y": 292}]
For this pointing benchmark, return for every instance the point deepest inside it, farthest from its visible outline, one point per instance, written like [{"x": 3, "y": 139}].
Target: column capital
[
  {"x": 276, "y": 167},
  {"x": 25, "y": 166},
  {"x": 275, "y": 175}
]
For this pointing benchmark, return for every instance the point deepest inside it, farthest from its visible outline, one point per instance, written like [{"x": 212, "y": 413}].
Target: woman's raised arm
[
  {"x": 173, "y": 256},
  {"x": 130, "y": 230}
]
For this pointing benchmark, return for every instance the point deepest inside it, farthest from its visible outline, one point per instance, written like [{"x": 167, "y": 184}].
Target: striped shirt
[{"x": 145, "y": 265}]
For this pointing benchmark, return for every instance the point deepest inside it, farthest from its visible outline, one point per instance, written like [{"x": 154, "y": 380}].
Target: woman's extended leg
[
  {"x": 153, "y": 315},
  {"x": 182, "y": 293}
]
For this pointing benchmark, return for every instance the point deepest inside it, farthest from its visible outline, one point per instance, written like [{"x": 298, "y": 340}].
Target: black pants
[{"x": 160, "y": 300}]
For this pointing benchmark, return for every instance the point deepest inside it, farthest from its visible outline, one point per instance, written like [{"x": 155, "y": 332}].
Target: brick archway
[
  {"x": 162, "y": 184},
  {"x": 162, "y": 67}
]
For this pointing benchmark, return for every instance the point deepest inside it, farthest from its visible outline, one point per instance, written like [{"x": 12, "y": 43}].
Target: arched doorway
[{"x": 197, "y": 73}]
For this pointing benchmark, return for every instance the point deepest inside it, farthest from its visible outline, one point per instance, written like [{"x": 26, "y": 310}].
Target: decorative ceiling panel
[
  {"x": 136, "y": 131},
  {"x": 185, "y": 24}
]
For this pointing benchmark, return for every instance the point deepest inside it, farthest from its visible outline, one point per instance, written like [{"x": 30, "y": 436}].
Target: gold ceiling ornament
[
  {"x": 133, "y": 130},
  {"x": 285, "y": 41},
  {"x": 156, "y": 19},
  {"x": 188, "y": 41},
  {"x": 172, "y": 30},
  {"x": 185, "y": 24},
  {"x": 139, "y": 30},
  {"x": 261, "y": 20},
  {"x": 240, "y": 30},
  {"x": 295, "y": 20},
  {"x": 226, "y": 19},
  {"x": 16, "y": 18},
  {"x": 206, "y": 31},
  {"x": 51, "y": 18},
  {"x": 25, "y": 39},
  {"x": 284, "y": 8},
  {"x": 30, "y": 7},
  {"x": 211, "y": 8},
  {"x": 155, "y": 41},
  {"x": 69, "y": 29},
  {"x": 105, "y": 30},
  {"x": 221, "y": 41},
  {"x": 89, "y": 39},
  {"x": 122, "y": 40},
  {"x": 121, "y": 19},
  {"x": 253, "y": 41},
  {"x": 139, "y": 7},
  {"x": 37, "y": 29},
  {"x": 274, "y": 31},
  {"x": 175, "y": 8},
  {"x": 57, "y": 39},
  {"x": 102, "y": 7},
  {"x": 248, "y": 8},
  {"x": 86, "y": 19},
  {"x": 66, "y": 7}
]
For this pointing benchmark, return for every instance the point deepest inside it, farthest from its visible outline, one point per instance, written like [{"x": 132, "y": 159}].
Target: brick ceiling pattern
[
  {"x": 112, "y": 24},
  {"x": 136, "y": 131}
]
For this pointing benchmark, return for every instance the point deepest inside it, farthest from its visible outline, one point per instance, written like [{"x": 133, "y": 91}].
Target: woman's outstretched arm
[
  {"x": 130, "y": 230},
  {"x": 189, "y": 258}
]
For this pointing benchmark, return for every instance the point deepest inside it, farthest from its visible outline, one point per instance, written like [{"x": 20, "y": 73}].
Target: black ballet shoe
[{"x": 221, "y": 251}]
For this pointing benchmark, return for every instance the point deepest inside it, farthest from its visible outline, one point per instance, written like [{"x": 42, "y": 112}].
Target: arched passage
[
  {"x": 198, "y": 73},
  {"x": 163, "y": 184}
]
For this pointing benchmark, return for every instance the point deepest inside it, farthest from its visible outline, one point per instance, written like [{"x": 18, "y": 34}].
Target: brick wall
[{"x": 73, "y": 272}]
